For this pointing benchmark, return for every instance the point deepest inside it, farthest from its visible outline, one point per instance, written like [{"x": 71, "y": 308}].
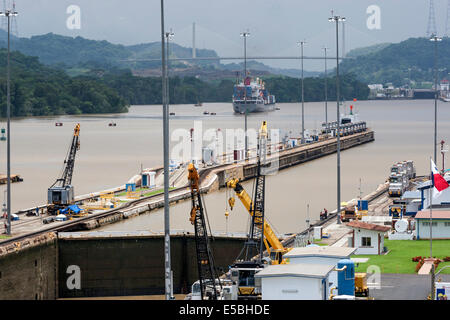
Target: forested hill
[
  {"x": 38, "y": 90},
  {"x": 53, "y": 49},
  {"x": 397, "y": 62},
  {"x": 139, "y": 90}
]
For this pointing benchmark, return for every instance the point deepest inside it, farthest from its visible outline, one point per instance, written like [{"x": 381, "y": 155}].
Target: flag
[{"x": 439, "y": 183}]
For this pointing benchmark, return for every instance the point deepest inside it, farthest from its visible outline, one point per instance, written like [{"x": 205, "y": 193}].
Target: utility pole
[
  {"x": 435, "y": 39},
  {"x": 302, "y": 43},
  {"x": 167, "y": 266},
  {"x": 337, "y": 19},
  {"x": 326, "y": 89},
  {"x": 245, "y": 35},
  {"x": 8, "y": 14}
]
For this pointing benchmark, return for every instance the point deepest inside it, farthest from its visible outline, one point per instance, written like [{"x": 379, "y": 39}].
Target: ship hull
[{"x": 252, "y": 107}]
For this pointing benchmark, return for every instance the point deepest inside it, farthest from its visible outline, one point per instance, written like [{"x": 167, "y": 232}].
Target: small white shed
[
  {"x": 368, "y": 238},
  {"x": 300, "y": 281},
  {"x": 325, "y": 255}
]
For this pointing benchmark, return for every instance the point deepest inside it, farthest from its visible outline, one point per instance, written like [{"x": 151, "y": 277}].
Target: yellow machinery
[
  {"x": 361, "y": 289},
  {"x": 105, "y": 197},
  {"x": 271, "y": 241}
]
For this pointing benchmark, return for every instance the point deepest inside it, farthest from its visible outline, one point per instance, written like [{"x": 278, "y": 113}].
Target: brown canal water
[{"x": 109, "y": 156}]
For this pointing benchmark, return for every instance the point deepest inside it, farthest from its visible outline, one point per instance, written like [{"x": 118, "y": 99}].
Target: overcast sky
[{"x": 275, "y": 26}]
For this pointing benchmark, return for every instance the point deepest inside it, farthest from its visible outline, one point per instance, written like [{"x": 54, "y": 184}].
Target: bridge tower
[
  {"x": 447, "y": 22},
  {"x": 431, "y": 29}
]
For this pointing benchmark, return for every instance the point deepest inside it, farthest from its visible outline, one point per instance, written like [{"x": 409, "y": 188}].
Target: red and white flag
[{"x": 439, "y": 183}]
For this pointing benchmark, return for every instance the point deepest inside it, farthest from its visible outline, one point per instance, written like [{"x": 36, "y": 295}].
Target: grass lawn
[{"x": 398, "y": 260}]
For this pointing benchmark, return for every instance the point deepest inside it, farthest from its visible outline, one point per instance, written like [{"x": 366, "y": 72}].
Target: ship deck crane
[
  {"x": 61, "y": 193},
  {"x": 206, "y": 270}
]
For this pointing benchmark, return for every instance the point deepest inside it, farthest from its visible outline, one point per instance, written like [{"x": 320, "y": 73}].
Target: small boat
[
  {"x": 112, "y": 124},
  {"x": 198, "y": 104},
  {"x": 205, "y": 112},
  {"x": 212, "y": 113},
  {"x": 58, "y": 124},
  {"x": 172, "y": 113},
  {"x": 276, "y": 108}
]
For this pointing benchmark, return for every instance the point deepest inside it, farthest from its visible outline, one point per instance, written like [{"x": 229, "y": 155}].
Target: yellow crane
[{"x": 273, "y": 245}]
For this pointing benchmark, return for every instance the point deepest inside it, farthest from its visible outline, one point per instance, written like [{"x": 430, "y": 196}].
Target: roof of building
[
  {"x": 320, "y": 251},
  {"x": 436, "y": 214},
  {"x": 305, "y": 270},
  {"x": 368, "y": 226}
]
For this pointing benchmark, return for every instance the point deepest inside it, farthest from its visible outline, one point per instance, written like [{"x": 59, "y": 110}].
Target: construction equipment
[
  {"x": 361, "y": 289},
  {"x": 61, "y": 193},
  {"x": 260, "y": 233},
  {"x": 206, "y": 270}
]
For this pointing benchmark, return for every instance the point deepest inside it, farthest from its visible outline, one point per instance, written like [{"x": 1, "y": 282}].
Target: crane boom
[
  {"x": 69, "y": 162},
  {"x": 256, "y": 208},
  {"x": 206, "y": 270},
  {"x": 246, "y": 200},
  {"x": 61, "y": 193}
]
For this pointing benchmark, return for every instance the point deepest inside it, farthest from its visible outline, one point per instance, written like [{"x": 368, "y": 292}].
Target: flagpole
[{"x": 431, "y": 229}]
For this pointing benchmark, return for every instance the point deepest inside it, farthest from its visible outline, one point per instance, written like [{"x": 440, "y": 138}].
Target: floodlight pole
[
  {"x": 8, "y": 14},
  {"x": 302, "y": 43},
  {"x": 167, "y": 265},
  {"x": 337, "y": 19}
]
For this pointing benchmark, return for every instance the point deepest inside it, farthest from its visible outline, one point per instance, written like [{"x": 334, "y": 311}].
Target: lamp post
[
  {"x": 337, "y": 19},
  {"x": 169, "y": 35},
  {"x": 245, "y": 35},
  {"x": 435, "y": 39},
  {"x": 326, "y": 89},
  {"x": 167, "y": 265},
  {"x": 301, "y": 44},
  {"x": 8, "y": 14}
]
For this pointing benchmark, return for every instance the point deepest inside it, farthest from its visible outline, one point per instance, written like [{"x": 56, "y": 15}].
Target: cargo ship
[{"x": 252, "y": 96}]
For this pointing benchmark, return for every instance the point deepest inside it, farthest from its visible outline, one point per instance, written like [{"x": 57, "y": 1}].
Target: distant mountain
[
  {"x": 367, "y": 50},
  {"x": 80, "y": 56},
  {"x": 255, "y": 65},
  {"x": 398, "y": 63},
  {"x": 38, "y": 90}
]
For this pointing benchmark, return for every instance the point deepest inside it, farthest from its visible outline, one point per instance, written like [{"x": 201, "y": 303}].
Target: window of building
[
  {"x": 366, "y": 241},
  {"x": 427, "y": 224}
]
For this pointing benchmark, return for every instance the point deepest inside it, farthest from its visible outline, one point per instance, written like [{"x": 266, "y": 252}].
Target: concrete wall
[
  {"x": 29, "y": 273},
  {"x": 135, "y": 265}
]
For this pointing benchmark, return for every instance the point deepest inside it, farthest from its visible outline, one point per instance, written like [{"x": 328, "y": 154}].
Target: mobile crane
[
  {"x": 242, "y": 272},
  {"x": 207, "y": 273},
  {"x": 61, "y": 193}
]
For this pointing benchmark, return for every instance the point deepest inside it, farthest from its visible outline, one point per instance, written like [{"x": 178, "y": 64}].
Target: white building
[
  {"x": 442, "y": 200},
  {"x": 440, "y": 224},
  {"x": 367, "y": 238},
  {"x": 300, "y": 281},
  {"x": 325, "y": 255}
]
